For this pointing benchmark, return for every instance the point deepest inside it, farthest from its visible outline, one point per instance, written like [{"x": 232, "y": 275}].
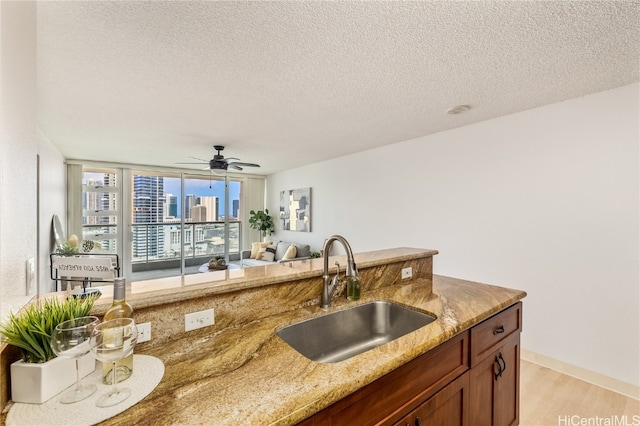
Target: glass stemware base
[
  {"x": 78, "y": 393},
  {"x": 113, "y": 397}
]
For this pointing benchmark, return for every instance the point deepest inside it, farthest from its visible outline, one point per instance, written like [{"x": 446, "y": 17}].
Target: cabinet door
[
  {"x": 494, "y": 386},
  {"x": 448, "y": 407}
]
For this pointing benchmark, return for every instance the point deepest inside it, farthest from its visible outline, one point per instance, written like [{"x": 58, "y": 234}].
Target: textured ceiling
[{"x": 286, "y": 84}]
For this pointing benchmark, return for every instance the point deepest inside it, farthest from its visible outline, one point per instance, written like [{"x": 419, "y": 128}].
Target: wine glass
[
  {"x": 111, "y": 341},
  {"x": 70, "y": 339}
]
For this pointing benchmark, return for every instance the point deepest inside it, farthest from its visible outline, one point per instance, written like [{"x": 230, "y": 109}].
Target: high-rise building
[
  {"x": 170, "y": 206},
  {"x": 101, "y": 200},
  {"x": 198, "y": 214},
  {"x": 148, "y": 208},
  {"x": 189, "y": 202},
  {"x": 92, "y": 201},
  {"x": 235, "y": 207},
  {"x": 211, "y": 203}
]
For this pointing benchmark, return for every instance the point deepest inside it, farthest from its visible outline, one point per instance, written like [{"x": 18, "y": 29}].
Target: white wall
[
  {"x": 18, "y": 148},
  {"x": 52, "y": 189},
  {"x": 544, "y": 200}
]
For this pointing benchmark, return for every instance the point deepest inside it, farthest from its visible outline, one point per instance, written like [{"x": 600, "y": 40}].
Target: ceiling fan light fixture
[{"x": 219, "y": 165}]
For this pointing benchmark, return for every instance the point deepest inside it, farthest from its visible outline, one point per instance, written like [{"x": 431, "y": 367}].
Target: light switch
[{"x": 31, "y": 275}]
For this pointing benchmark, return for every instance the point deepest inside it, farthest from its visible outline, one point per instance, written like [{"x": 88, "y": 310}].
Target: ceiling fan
[{"x": 218, "y": 162}]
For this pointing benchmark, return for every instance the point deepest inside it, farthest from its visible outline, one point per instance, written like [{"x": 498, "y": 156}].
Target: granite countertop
[{"x": 248, "y": 375}]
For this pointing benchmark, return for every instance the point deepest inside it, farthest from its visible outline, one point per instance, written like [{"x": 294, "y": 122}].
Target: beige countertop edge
[{"x": 259, "y": 379}]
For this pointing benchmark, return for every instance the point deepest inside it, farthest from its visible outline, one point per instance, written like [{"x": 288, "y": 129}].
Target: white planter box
[{"x": 37, "y": 383}]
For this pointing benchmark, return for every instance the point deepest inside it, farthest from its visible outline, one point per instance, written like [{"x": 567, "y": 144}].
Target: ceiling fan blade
[
  {"x": 199, "y": 159},
  {"x": 234, "y": 166},
  {"x": 202, "y": 162},
  {"x": 238, "y": 163},
  {"x": 231, "y": 158}
]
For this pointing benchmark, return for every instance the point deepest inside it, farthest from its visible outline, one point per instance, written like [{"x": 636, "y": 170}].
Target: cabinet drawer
[{"x": 491, "y": 332}]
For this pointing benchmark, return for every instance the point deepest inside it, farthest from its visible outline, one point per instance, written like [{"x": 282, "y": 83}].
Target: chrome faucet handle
[{"x": 335, "y": 281}]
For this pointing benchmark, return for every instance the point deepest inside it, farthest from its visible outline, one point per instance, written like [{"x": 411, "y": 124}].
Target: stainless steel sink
[{"x": 343, "y": 334}]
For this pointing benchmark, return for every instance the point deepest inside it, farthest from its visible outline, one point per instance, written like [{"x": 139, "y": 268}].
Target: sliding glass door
[
  {"x": 180, "y": 222},
  {"x": 210, "y": 210},
  {"x": 162, "y": 223}
]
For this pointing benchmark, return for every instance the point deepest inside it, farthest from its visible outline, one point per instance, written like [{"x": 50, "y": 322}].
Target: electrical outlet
[
  {"x": 199, "y": 319},
  {"x": 144, "y": 332},
  {"x": 407, "y": 272},
  {"x": 31, "y": 275}
]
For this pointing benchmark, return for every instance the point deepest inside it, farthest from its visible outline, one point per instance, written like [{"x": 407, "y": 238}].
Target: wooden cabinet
[
  {"x": 487, "y": 335},
  {"x": 391, "y": 397},
  {"x": 494, "y": 386},
  {"x": 449, "y": 407},
  {"x": 494, "y": 378},
  {"x": 473, "y": 378}
]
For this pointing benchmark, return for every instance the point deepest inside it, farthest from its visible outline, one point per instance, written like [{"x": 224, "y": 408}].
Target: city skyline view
[
  {"x": 156, "y": 203},
  {"x": 200, "y": 188}
]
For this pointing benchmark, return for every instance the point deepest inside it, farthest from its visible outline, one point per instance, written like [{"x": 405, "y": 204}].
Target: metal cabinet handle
[
  {"x": 499, "y": 366},
  {"x": 417, "y": 422},
  {"x": 498, "y": 330},
  {"x": 504, "y": 364}
]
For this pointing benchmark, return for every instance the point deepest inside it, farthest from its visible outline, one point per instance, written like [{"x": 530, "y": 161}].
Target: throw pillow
[
  {"x": 290, "y": 253},
  {"x": 255, "y": 248},
  {"x": 267, "y": 253}
]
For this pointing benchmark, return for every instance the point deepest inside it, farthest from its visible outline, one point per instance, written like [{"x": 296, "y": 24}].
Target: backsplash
[{"x": 238, "y": 308}]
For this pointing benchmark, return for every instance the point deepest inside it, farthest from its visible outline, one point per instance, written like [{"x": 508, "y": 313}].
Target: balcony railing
[
  {"x": 162, "y": 241},
  {"x": 157, "y": 246}
]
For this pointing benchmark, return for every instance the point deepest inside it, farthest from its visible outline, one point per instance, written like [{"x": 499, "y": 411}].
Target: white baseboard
[{"x": 615, "y": 385}]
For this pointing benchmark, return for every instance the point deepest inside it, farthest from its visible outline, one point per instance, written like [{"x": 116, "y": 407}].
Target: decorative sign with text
[{"x": 90, "y": 267}]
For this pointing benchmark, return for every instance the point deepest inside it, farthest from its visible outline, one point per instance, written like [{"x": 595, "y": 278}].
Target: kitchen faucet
[{"x": 329, "y": 285}]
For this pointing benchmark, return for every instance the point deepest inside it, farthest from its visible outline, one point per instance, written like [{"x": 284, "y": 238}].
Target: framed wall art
[{"x": 295, "y": 210}]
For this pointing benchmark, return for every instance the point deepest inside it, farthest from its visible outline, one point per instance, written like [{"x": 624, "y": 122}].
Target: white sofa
[{"x": 302, "y": 252}]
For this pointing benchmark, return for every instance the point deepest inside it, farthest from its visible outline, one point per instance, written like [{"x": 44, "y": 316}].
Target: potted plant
[
  {"x": 261, "y": 221},
  {"x": 39, "y": 374},
  {"x": 67, "y": 250},
  {"x": 314, "y": 255}
]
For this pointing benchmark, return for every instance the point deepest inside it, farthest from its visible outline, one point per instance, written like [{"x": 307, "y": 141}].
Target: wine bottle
[{"x": 119, "y": 309}]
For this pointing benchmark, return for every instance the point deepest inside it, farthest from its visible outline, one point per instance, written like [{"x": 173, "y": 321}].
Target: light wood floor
[{"x": 550, "y": 398}]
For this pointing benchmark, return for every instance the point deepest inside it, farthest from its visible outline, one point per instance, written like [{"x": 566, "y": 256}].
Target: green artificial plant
[
  {"x": 314, "y": 255},
  {"x": 67, "y": 250},
  {"x": 261, "y": 221},
  {"x": 30, "y": 330}
]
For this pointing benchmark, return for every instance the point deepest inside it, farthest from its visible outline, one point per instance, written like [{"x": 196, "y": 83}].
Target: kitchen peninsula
[{"x": 239, "y": 372}]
